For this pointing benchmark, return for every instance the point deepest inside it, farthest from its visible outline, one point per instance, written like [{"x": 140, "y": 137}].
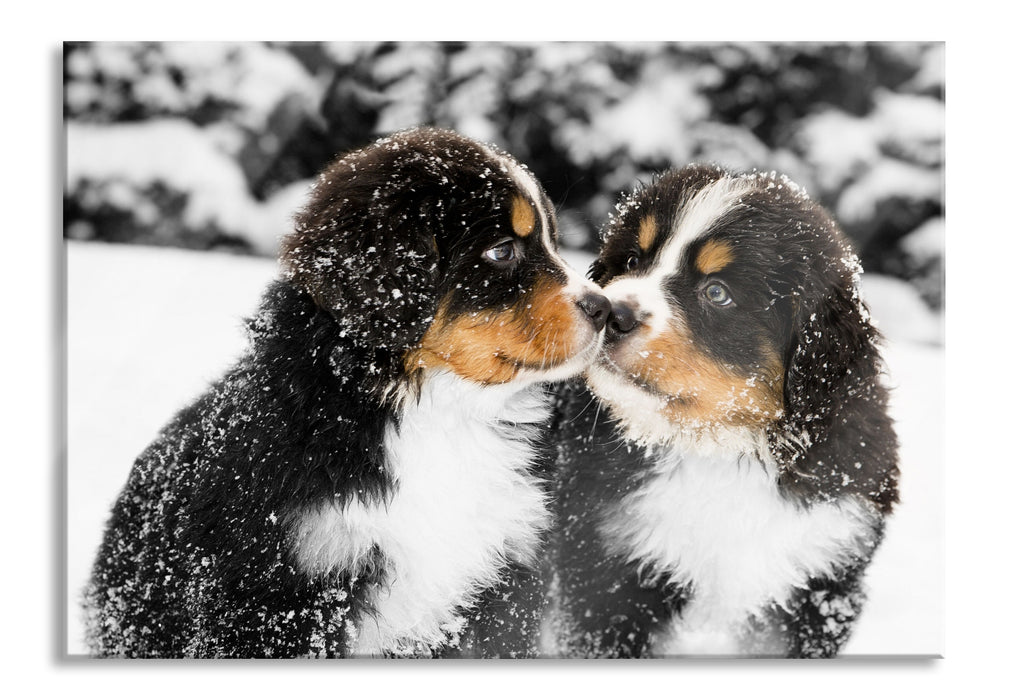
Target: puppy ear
[
  {"x": 833, "y": 346},
  {"x": 836, "y": 436},
  {"x": 367, "y": 253}
]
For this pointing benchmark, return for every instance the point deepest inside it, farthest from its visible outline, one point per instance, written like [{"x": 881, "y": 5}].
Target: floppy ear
[
  {"x": 837, "y": 437},
  {"x": 369, "y": 256},
  {"x": 832, "y": 350}
]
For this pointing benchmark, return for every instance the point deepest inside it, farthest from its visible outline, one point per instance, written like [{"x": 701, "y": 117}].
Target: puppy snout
[
  {"x": 596, "y": 307},
  {"x": 622, "y": 320}
]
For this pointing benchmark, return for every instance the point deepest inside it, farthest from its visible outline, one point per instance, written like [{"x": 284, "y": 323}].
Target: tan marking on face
[
  {"x": 523, "y": 216},
  {"x": 699, "y": 391},
  {"x": 647, "y": 233},
  {"x": 713, "y": 257},
  {"x": 493, "y": 346}
]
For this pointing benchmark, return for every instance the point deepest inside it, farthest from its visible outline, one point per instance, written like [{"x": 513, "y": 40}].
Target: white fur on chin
[{"x": 641, "y": 415}]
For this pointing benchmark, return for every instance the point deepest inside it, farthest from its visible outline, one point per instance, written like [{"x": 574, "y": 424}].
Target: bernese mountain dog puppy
[
  {"x": 366, "y": 480},
  {"x": 722, "y": 488}
]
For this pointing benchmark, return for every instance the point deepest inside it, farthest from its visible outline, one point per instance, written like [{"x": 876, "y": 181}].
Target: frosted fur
[
  {"x": 522, "y": 178},
  {"x": 642, "y": 420},
  {"x": 334, "y": 493},
  {"x": 718, "y": 524},
  {"x": 641, "y": 412},
  {"x": 463, "y": 501},
  {"x": 697, "y": 215},
  {"x": 577, "y": 286},
  {"x": 723, "y": 487},
  {"x": 646, "y": 292}
]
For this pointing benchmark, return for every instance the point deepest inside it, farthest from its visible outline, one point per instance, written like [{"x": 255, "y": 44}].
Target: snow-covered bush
[{"x": 243, "y": 127}]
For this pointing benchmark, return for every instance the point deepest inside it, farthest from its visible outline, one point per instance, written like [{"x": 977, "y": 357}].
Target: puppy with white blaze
[
  {"x": 367, "y": 480},
  {"x": 724, "y": 485}
]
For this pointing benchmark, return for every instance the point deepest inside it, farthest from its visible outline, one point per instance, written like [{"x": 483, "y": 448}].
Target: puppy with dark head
[
  {"x": 726, "y": 487},
  {"x": 365, "y": 480}
]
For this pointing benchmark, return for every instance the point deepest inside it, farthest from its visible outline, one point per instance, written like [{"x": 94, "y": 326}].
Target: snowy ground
[{"x": 149, "y": 327}]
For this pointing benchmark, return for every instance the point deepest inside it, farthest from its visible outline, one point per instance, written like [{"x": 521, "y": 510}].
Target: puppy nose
[
  {"x": 622, "y": 320},
  {"x": 596, "y": 307}
]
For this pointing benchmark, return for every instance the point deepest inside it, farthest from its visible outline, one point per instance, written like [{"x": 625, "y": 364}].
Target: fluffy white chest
[
  {"x": 720, "y": 526},
  {"x": 463, "y": 503}
]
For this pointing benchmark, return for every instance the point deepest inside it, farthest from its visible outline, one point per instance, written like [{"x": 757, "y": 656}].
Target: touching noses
[
  {"x": 596, "y": 307},
  {"x": 622, "y": 320},
  {"x": 619, "y": 317}
]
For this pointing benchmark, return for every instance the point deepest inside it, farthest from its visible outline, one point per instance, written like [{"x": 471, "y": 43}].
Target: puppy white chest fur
[
  {"x": 718, "y": 525},
  {"x": 463, "y": 502}
]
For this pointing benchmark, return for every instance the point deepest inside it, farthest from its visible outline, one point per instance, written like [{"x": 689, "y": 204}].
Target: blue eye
[
  {"x": 503, "y": 252},
  {"x": 718, "y": 294}
]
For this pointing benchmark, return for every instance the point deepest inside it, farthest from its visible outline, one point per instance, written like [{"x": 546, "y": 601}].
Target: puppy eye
[
  {"x": 503, "y": 252},
  {"x": 632, "y": 261},
  {"x": 718, "y": 294}
]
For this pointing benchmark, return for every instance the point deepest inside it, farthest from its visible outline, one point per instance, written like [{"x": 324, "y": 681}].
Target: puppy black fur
[
  {"x": 796, "y": 329},
  {"x": 200, "y": 556}
]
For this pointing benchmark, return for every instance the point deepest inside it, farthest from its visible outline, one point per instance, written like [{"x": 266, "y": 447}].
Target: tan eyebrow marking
[
  {"x": 646, "y": 232},
  {"x": 523, "y": 216},
  {"x": 714, "y": 256}
]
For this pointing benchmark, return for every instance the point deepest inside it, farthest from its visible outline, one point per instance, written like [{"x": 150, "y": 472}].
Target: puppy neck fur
[
  {"x": 720, "y": 527},
  {"x": 463, "y": 503}
]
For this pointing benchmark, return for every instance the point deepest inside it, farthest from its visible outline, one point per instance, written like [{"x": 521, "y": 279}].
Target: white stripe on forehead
[
  {"x": 697, "y": 215},
  {"x": 523, "y": 179},
  {"x": 694, "y": 217},
  {"x": 535, "y": 194},
  {"x": 518, "y": 174}
]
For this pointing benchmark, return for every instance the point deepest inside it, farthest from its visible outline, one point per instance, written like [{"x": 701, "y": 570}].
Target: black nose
[
  {"x": 596, "y": 307},
  {"x": 622, "y": 320}
]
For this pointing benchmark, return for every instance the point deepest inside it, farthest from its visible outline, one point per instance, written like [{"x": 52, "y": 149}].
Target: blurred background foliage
[{"x": 213, "y": 146}]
